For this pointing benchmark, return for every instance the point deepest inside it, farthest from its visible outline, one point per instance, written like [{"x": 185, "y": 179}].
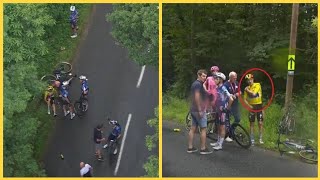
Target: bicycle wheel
[
  {"x": 78, "y": 108},
  {"x": 241, "y": 136},
  {"x": 64, "y": 67},
  {"x": 188, "y": 121},
  {"x": 309, "y": 155},
  {"x": 48, "y": 79}
]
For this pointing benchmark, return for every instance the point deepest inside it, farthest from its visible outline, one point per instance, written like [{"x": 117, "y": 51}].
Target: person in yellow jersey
[
  {"x": 49, "y": 98},
  {"x": 253, "y": 97}
]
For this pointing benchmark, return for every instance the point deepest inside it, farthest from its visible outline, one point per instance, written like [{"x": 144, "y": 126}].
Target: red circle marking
[{"x": 272, "y": 87}]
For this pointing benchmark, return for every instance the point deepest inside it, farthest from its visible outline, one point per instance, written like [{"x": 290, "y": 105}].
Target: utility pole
[{"x": 291, "y": 57}]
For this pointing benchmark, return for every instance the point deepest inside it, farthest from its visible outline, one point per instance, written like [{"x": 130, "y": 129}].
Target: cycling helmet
[
  {"x": 50, "y": 88},
  {"x": 214, "y": 68},
  {"x": 72, "y": 8},
  {"x": 220, "y": 75},
  {"x": 113, "y": 122},
  {"x": 249, "y": 76},
  {"x": 82, "y": 77}
]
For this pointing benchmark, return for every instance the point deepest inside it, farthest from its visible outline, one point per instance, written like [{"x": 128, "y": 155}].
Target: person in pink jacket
[{"x": 210, "y": 86}]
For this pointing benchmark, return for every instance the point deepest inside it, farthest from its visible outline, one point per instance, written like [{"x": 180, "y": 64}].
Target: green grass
[
  {"x": 63, "y": 47},
  {"x": 37, "y": 107},
  {"x": 175, "y": 109}
]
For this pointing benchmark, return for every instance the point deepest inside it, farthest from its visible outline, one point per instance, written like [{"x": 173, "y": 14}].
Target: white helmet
[
  {"x": 221, "y": 75},
  {"x": 72, "y": 8},
  {"x": 82, "y": 77},
  {"x": 113, "y": 122}
]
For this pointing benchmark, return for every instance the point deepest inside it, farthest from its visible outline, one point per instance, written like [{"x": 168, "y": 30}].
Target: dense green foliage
[
  {"x": 237, "y": 37},
  {"x": 33, "y": 37},
  {"x": 152, "y": 141},
  {"x": 135, "y": 26}
]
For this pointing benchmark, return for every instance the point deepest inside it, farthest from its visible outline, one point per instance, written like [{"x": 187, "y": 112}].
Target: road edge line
[
  {"x": 141, "y": 76},
  {"x": 122, "y": 145}
]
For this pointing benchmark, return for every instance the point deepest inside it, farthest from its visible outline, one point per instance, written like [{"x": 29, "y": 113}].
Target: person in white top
[{"x": 85, "y": 170}]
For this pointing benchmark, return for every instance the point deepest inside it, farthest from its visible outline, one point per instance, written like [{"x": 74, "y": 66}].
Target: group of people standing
[{"x": 214, "y": 93}]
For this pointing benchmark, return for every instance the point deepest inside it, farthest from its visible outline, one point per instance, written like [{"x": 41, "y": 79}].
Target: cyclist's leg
[
  {"x": 76, "y": 26},
  {"x": 110, "y": 137},
  {"x": 218, "y": 144},
  {"x": 48, "y": 104},
  {"x": 64, "y": 108},
  {"x": 53, "y": 106},
  {"x": 252, "y": 119},
  {"x": 260, "y": 123},
  {"x": 73, "y": 27},
  {"x": 71, "y": 108},
  {"x": 222, "y": 128},
  {"x": 217, "y": 123}
]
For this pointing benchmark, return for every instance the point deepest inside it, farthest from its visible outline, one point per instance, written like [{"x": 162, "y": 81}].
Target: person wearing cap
[
  {"x": 115, "y": 134},
  {"x": 97, "y": 138},
  {"x": 74, "y": 15},
  {"x": 211, "y": 88},
  {"x": 64, "y": 94},
  {"x": 85, "y": 170},
  {"x": 253, "y": 98},
  {"x": 84, "y": 85},
  {"x": 233, "y": 88},
  {"x": 224, "y": 102},
  {"x": 49, "y": 97}
]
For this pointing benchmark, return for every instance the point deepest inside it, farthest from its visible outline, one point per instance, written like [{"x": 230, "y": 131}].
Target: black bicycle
[
  {"x": 81, "y": 105},
  {"x": 234, "y": 130},
  {"x": 304, "y": 147}
]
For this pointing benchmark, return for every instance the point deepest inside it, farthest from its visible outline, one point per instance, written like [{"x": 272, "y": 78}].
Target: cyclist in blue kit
[{"x": 115, "y": 134}]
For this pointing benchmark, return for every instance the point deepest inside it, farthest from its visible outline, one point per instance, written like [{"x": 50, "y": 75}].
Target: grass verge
[{"x": 175, "y": 109}]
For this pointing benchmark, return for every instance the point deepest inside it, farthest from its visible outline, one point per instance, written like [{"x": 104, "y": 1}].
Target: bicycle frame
[{"x": 81, "y": 99}]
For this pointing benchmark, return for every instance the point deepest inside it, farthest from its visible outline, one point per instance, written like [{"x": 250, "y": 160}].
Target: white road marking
[
  {"x": 122, "y": 144},
  {"x": 141, "y": 76}
]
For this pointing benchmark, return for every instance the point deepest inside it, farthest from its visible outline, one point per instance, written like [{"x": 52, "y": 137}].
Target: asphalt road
[
  {"x": 232, "y": 161},
  {"x": 113, "y": 93}
]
